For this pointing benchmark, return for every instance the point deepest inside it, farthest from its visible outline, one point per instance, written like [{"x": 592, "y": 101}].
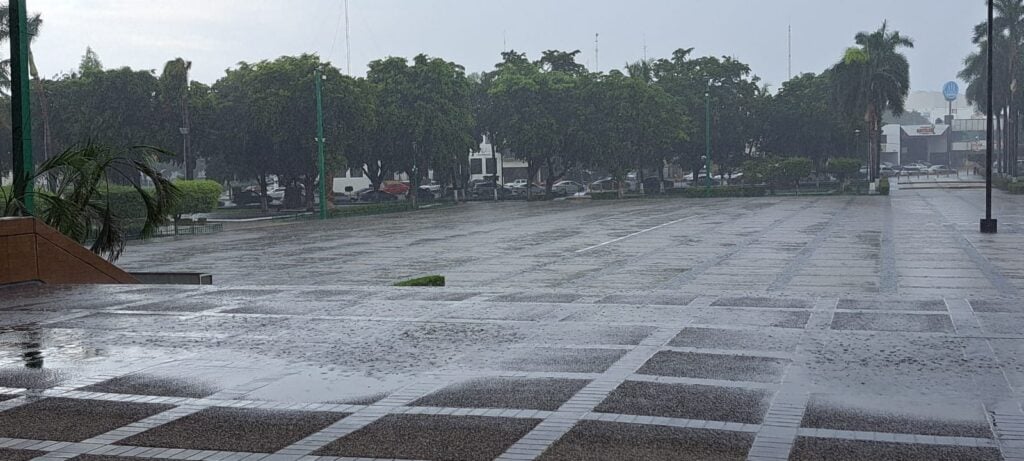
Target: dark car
[
  {"x": 246, "y": 198},
  {"x": 376, "y": 196},
  {"x": 486, "y": 189},
  {"x": 424, "y": 195}
]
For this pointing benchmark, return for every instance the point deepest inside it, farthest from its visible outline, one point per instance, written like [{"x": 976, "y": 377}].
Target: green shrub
[
  {"x": 124, "y": 202},
  {"x": 371, "y": 209},
  {"x": 725, "y": 191},
  {"x": 1016, "y": 188},
  {"x": 200, "y": 196},
  {"x": 883, "y": 186},
  {"x": 604, "y": 195},
  {"x": 428, "y": 281},
  {"x": 843, "y": 168}
]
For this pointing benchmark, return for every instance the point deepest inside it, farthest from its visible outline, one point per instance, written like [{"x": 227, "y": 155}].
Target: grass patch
[{"x": 428, "y": 281}]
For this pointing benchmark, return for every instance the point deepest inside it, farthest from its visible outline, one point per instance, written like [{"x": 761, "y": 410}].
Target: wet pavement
[{"x": 757, "y": 345}]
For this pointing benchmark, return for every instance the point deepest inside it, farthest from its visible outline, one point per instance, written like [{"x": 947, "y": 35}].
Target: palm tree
[
  {"x": 874, "y": 77},
  {"x": 1008, "y": 26},
  {"x": 72, "y": 195},
  {"x": 34, "y": 23}
]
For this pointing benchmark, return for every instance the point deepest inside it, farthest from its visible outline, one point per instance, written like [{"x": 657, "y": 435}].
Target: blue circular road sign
[{"x": 951, "y": 91}]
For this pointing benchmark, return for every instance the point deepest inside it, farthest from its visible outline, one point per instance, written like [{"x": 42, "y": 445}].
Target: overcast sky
[{"x": 216, "y": 34}]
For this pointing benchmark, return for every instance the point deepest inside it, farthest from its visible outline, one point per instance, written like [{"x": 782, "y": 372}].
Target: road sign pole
[{"x": 989, "y": 225}]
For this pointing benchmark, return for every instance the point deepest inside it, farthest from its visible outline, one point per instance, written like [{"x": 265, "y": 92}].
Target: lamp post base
[{"x": 989, "y": 226}]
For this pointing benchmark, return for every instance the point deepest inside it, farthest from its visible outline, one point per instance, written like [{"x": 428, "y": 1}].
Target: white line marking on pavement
[{"x": 634, "y": 234}]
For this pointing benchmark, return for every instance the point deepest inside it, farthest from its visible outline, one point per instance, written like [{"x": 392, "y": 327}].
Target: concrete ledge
[
  {"x": 32, "y": 251},
  {"x": 173, "y": 278}
]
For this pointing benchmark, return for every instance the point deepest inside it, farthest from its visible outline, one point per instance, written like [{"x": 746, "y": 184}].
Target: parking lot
[{"x": 916, "y": 242}]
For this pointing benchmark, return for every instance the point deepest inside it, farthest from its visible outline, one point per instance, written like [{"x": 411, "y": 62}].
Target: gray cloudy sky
[{"x": 216, "y": 34}]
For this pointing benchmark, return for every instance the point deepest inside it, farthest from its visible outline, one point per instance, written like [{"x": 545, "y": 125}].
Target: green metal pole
[
  {"x": 318, "y": 76},
  {"x": 21, "y": 112},
  {"x": 707, "y": 135}
]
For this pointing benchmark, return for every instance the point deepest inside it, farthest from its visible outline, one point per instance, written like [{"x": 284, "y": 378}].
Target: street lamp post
[
  {"x": 319, "y": 77},
  {"x": 21, "y": 114},
  {"x": 707, "y": 135},
  {"x": 989, "y": 225}
]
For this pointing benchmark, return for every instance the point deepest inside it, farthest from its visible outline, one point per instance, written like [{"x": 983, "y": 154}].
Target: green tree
[
  {"x": 801, "y": 122},
  {"x": 871, "y": 78}
]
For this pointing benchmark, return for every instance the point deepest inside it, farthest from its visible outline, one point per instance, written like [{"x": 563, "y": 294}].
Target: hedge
[
  {"x": 725, "y": 191},
  {"x": 428, "y": 281},
  {"x": 1016, "y": 188},
  {"x": 200, "y": 196},
  {"x": 883, "y": 186}
]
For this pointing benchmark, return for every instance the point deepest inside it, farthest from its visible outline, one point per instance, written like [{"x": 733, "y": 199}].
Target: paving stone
[
  {"x": 923, "y": 323},
  {"x": 559, "y": 359},
  {"x": 775, "y": 303},
  {"x": 1010, "y": 306},
  {"x": 715, "y": 366},
  {"x": 893, "y": 304},
  {"x": 147, "y": 384},
  {"x": 525, "y": 297},
  {"x": 32, "y": 378},
  {"x": 649, "y": 299},
  {"x": 599, "y": 440},
  {"x": 116, "y": 458},
  {"x": 710, "y": 403},
  {"x": 586, "y": 334},
  {"x": 7, "y": 454},
  {"x": 746, "y": 317},
  {"x": 236, "y": 429},
  {"x": 874, "y": 414},
  {"x": 533, "y": 394},
  {"x": 466, "y": 438},
  {"x": 72, "y": 420},
  {"x": 814, "y": 449},
  {"x": 763, "y": 340},
  {"x": 185, "y": 305},
  {"x": 429, "y": 295}
]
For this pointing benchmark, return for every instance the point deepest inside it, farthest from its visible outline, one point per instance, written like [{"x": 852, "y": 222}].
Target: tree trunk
[{"x": 262, "y": 180}]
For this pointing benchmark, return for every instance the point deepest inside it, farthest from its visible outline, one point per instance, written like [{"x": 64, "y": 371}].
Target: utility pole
[
  {"x": 21, "y": 111},
  {"x": 707, "y": 134},
  {"x": 989, "y": 225},
  {"x": 790, "y": 51},
  {"x": 319, "y": 77},
  {"x": 186, "y": 125},
  {"x": 597, "y": 52},
  {"x": 348, "y": 42}
]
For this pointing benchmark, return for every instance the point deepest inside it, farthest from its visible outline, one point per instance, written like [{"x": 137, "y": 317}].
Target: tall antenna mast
[
  {"x": 597, "y": 52},
  {"x": 348, "y": 42},
  {"x": 645, "y": 47},
  {"x": 790, "y": 51},
  {"x": 504, "y": 41}
]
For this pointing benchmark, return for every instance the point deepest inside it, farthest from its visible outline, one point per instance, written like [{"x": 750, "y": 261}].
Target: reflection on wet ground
[{"x": 714, "y": 374}]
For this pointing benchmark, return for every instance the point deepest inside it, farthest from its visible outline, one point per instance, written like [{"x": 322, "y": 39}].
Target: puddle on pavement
[{"x": 326, "y": 387}]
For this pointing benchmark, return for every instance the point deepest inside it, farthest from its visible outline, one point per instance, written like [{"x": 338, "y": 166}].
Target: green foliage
[
  {"x": 197, "y": 197},
  {"x": 725, "y": 191},
  {"x": 843, "y": 168},
  {"x": 776, "y": 171},
  {"x": 428, "y": 281},
  {"x": 1016, "y": 188},
  {"x": 793, "y": 169},
  {"x": 73, "y": 196},
  {"x": 367, "y": 210},
  {"x": 604, "y": 195},
  {"x": 883, "y": 186}
]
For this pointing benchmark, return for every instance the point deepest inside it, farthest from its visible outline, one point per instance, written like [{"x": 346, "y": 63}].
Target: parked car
[
  {"x": 246, "y": 198},
  {"x": 424, "y": 195},
  {"x": 486, "y": 189},
  {"x": 517, "y": 183},
  {"x": 564, "y": 188},
  {"x": 940, "y": 170},
  {"x": 433, "y": 187},
  {"x": 654, "y": 184},
  {"x": 395, "y": 188},
  {"x": 376, "y": 196},
  {"x": 532, "y": 189}
]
